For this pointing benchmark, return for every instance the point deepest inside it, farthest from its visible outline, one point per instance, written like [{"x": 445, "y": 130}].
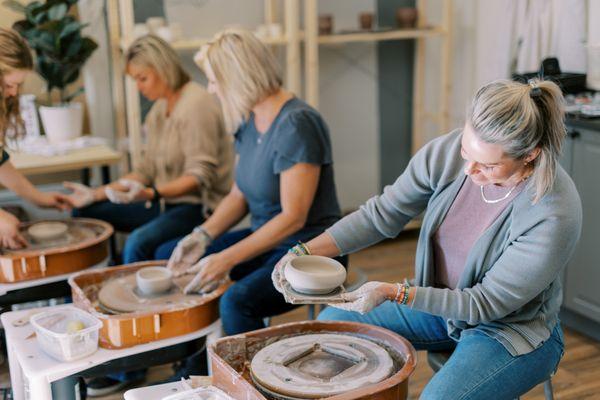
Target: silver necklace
[{"x": 497, "y": 200}]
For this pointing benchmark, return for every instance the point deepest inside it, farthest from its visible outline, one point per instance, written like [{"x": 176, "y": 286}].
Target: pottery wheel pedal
[{"x": 319, "y": 365}]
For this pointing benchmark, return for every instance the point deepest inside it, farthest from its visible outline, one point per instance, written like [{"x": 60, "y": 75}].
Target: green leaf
[
  {"x": 14, "y": 5},
  {"x": 57, "y": 12},
  {"x": 22, "y": 27},
  {"x": 30, "y": 9},
  {"x": 70, "y": 28}
]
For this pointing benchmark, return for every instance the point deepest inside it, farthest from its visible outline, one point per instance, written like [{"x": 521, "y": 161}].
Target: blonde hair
[
  {"x": 245, "y": 71},
  {"x": 14, "y": 55},
  {"x": 522, "y": 117},
  {"x": 153, "y": 52}
]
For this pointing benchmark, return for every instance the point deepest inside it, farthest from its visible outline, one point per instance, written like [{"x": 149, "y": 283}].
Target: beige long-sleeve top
[{"x": 190, "y": 141}]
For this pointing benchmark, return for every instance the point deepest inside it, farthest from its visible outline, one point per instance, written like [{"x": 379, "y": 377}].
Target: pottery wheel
[
  {"x": 77, "y": 232},
  {"x": 319, "y": 365},
  {"x": 121, "y": 295}
]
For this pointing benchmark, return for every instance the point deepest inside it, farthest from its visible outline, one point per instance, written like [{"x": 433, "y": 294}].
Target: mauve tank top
[{"x": 468, "y": 217}]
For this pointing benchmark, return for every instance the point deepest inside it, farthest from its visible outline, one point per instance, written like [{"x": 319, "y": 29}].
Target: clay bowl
[
  {"x": 45, "y": 231},
  {"x": 314, "y": 274},
  {"x": 153, "y": 280},
  {"x": 406, "y": 17}
]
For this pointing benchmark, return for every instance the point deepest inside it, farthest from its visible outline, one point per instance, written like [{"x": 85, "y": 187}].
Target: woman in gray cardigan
[{"x": 501, "y": 221}]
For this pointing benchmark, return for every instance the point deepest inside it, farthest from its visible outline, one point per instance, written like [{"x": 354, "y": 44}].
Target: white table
[{"x": 32, "y": 371}]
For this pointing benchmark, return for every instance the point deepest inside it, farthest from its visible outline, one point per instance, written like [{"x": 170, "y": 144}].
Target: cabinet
[{"x": 581, "y": 159}]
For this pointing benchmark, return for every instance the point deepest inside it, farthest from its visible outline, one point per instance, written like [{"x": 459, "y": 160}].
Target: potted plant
[{"x": 61, "y": 51}]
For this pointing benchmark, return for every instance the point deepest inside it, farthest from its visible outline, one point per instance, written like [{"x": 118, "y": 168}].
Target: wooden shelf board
[
  {"x": 398, "y": 34},
  {"x": 194, "y": 44}
]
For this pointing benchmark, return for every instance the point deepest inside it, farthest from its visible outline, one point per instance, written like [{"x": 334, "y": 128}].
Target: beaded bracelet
[
  {"x": 300, "y": 250},
  {"x": 402, "y": 292},
  {"x": 406, "y": 287}
]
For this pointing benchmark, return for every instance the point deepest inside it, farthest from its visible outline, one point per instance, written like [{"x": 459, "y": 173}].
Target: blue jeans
[
  {"x": 479, "y": 368},
  {"x": 148, "y": 226}
]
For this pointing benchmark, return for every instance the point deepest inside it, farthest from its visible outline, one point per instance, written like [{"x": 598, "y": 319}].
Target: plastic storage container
[
  {"x": 53, "y": 337},
  {"x": 204, "y": 393}
]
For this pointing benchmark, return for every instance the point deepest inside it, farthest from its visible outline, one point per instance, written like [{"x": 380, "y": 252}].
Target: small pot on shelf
[
  {"x": 365, "y": 20},
  {"x": 406, "y": 17},
  {"x": 325, "y": 24}
]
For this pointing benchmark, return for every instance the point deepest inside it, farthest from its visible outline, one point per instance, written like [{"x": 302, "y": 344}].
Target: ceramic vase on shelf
[
  {"x": 406, "y": 17},
  {"x": 62, "y": 123},
  {"x": 365, "y": 20},
  {"x": 325, "y": 24}
]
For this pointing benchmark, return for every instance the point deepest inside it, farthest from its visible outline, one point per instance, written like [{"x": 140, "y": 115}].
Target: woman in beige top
[{"x": 186, "y": 167}]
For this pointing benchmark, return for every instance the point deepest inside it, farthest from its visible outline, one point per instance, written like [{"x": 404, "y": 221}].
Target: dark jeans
[
  {"x": 251, "y": 298},
  {"x": 148, "y": 226}
]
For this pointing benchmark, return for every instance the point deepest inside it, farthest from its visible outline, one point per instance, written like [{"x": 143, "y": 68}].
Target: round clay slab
[
  {"x": 319, "y": 365},
  {"x": 122, "y": 295},
  {"x": 45, "y": 231}
]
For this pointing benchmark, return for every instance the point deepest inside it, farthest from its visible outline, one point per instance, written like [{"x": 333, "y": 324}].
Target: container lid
[{"x": 54, "y": 322}]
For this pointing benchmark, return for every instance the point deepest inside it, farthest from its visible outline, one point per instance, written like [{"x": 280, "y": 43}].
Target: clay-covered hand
[
  {"x": 363, "y": 299},
  {"x": 53, "y": 200},
  {"x": 277, "y": 275},
  {"x": 81, "y": 196},
  {"x": 188, "y": 251},
  {"x": 134, "y": 191},
  {"x": 10, "y": 237},
  {"x": 210, "y": 271}
]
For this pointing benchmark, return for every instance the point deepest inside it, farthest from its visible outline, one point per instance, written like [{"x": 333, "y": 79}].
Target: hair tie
[{"x": 535, "y": 89}]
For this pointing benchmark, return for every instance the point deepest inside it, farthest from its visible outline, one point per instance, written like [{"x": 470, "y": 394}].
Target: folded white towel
[{"x": 40, "y": 145}]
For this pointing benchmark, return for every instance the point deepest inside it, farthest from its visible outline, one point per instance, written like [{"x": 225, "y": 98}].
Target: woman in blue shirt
[{"x": 283, "y": 179}]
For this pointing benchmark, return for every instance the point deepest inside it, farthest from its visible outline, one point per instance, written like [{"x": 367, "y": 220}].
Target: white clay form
[
  {"x": 154, "y": 280},
  {"x": 45, "y": 231},
  {"x": 314, "y": 274}
]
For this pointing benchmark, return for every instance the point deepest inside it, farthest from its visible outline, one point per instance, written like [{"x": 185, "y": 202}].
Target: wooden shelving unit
[
  {"x": 126, "y": 98},
  {"x": 125, "y": 95},
  {"x": 398, "y": 34},
  {"x": 423, "y": 32}
]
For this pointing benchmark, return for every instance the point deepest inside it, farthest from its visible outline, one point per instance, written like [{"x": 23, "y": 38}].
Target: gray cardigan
[{"x": 510, "y": 288}]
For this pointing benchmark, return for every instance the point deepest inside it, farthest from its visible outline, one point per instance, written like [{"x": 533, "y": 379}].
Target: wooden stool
[{"x": 437, "y": 359}]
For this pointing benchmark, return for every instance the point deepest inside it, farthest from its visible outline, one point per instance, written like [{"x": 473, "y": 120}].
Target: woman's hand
[
  {"x": 10, "y": 237},
  {"x": 188, "y": 251},
  {"x": 365, "y": 298},
  {"x": 209, "y": 272},
  {"x": 277, "y": 275},
  {"x": 81, "y": 196},
  {"x": 53, "y": 200},
  {"x": 134, "y": 191}
]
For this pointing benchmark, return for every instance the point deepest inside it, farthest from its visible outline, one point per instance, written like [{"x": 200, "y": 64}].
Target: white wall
[
  {"x": 348, "y": 83},
  {"x": 484, "y": 37}
]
